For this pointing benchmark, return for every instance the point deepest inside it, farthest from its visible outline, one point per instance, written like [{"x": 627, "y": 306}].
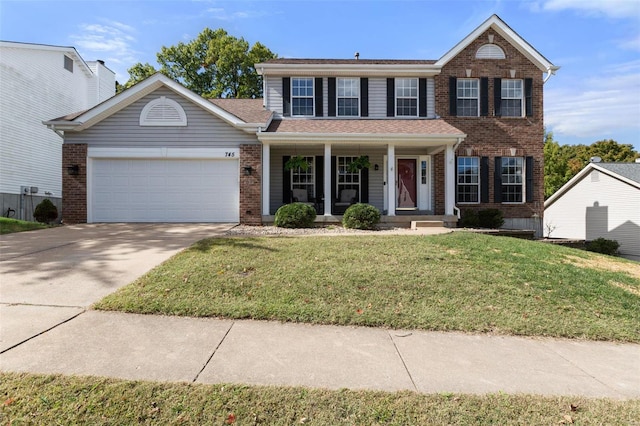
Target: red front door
[{"x": 406, "y": 190}]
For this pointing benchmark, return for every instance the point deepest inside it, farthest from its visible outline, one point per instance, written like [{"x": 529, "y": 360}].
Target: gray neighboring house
[{"x": 603, "y": 200}]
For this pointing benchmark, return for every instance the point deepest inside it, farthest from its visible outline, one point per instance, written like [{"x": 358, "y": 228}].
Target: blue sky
[{"x": 595, "y": 95}]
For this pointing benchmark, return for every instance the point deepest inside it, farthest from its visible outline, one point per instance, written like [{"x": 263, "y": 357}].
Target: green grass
[
  {"x": 8, "y": 226},
  {"x": 38, "y": 399},
  {"x": 460, "y": 281}
]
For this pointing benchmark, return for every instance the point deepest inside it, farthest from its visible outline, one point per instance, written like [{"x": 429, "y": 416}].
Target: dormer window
[
  {"x": 302, "y": 96},
  {"x": 163, "y": 112}
]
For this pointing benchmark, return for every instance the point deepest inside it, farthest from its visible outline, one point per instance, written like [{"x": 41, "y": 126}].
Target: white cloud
[
  {"x": 603, "y": 105},
  {"x": 110, "y": 41},
  {"x": 224, "y": 15},
  {"x": 610, "y": 8}
]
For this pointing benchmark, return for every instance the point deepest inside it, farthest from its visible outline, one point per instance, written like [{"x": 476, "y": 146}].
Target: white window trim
[
  {"x": 477, "y": 80},
  {"x": 180, "y": 119},
  {"x": 294, "y": 171},
  {"x": 347, "y": 97},
  {"x": 523, "y": 176},
  {"x": 468, "y": 184},
  {"x": 521, "y": 98},
  {"x": 417, "y": 97},
  {"x": 313, "y": 96}
]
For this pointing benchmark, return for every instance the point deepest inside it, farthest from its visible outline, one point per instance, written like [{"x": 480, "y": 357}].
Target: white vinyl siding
[
  {"x": 273, "y": 95},
  {"x": 604, "y": 207},
  {"x": 377, "y": 97}
]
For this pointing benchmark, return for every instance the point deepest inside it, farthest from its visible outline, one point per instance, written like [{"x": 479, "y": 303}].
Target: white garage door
[{"x": 164, "y": 190}]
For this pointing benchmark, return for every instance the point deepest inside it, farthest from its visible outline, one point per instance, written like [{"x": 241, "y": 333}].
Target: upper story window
[
  {"x": 468, "y": 180},
  {"x": 511, "y": 98},
  {"x": 302, "y": 96},
  {"x": 163, "y": 112},
  {"x": 468, "y": 97},
  {"x": 406, "y": 97},
  {"x": 512, "y": 174},
  {"x": 348, "y": 97},
  {"x": 68, "y": 63}
]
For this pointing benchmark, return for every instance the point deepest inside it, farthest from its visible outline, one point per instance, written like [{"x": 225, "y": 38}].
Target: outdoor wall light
[
  {"x": 376, "y": 167},
  {"x": 248, "y": 170},
  {"x": 73, "y": 170}
]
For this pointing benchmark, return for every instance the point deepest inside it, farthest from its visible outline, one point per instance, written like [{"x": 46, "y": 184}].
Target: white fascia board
[
  {"x": 140, "y": 90},
  {"x": 413, "y": 139},
  {"x": 228, "y": 153},
  {"x": 349, "y": 70},
  {"x": 511, "y": 36}
]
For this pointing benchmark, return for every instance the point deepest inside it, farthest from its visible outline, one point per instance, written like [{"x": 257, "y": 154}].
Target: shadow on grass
[{"x": 208, "y": 244}]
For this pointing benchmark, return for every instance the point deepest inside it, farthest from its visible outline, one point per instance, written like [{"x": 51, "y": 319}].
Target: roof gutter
[{"x": 550, "y": 71}]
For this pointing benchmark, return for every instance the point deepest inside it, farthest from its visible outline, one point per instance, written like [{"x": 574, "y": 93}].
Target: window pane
[
  {"x": 468, "y": 177},
  {"x": 467, "y": 94},
  {"x": 512, "y": 179}
]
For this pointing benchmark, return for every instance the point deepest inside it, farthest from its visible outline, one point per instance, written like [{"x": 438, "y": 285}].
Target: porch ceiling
[{"x": 421, "y": 131}]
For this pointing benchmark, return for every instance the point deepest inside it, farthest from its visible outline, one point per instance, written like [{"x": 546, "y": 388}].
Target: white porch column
[
  {"x": 391, "y": 179},
  {"x": 327, "y": 179},
  {"x": 449, "y": 180},
  {"x": 266, "y": 177}
]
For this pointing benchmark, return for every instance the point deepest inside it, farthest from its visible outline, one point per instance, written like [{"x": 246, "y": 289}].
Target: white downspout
[{"x": 550, "y": 71}]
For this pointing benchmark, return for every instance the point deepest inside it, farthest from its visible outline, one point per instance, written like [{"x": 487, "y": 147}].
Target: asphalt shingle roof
[
  {"x": 305, "y": 61},
  {"x": 364, "y": 126},
  {"x": 247, "y": 110},
  {"x": 628, "y": 170}
]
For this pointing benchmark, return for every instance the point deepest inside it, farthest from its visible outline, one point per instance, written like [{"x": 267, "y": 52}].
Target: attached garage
[{"x": 163, "y": 189}]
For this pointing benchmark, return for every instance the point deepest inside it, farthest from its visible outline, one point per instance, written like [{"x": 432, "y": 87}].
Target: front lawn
[
  {"x": 8, "y": 226},
  {"x": 460, "y": 281},
  {"x": 49, "y": 400}
]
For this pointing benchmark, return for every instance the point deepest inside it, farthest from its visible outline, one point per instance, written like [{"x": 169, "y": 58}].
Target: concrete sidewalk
[{"x": 165, "y": 348}]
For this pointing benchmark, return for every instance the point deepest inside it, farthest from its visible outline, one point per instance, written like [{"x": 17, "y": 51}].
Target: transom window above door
[
  {"x": 302, "y": 96},
  {"x": 406, "y": 97},
  {"x": 348, "y": 97}
]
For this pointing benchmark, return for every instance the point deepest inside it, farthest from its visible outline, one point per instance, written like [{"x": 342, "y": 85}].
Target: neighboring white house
[
  {"x": 38, "y": 82},
  {"x": 603, "y": 200}
]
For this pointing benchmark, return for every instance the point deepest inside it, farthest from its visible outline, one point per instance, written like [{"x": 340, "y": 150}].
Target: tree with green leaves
[
  {"x": 213, "y": 65},
  {"x": 137, "y": 73},
  {"x": 562, "y": 162}
]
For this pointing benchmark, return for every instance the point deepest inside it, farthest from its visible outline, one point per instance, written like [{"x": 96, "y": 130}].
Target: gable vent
[
  {"x": 490, "y": 51},
  {"x": 163, "y": 112}
]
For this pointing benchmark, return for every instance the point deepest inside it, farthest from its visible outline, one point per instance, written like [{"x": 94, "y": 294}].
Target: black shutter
[
  {"x": 331, "y": 96},
  {"x": 529, "y": 178},
  {"x": 364, "y": 185},
  {"x": 453, "y": 96},
  {"x": 318, "y": 96},
  {"x": 497, "y": 97},
  {"x": 286, "y": 181},
  {"x": 484, "y": 96},
  {"x": 391, "y": 97},
  {"x": 334, "y": 166},
  {"x": 422, "y": 97},
  {"x": 364, "y": 97},
  {"x": 286, "y": 96},
  {"x": 484, "y": 179},
  {"x": 497, "y": 180},
  {"x": 528, "y": 95}
]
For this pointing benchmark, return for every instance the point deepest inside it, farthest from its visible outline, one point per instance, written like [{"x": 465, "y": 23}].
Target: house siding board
[
  {"x": 35, "y": 87},
  {"x": 123, "y": 129},
  {"x": 274, "y": 95},
  {"x": 431, "y": 98},
  {"x": 377, "y": 98},
  {"x": 598, "y": 205},
  {"x": 493, "y": 136}
]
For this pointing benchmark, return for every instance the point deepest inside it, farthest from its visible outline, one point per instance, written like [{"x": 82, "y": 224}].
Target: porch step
[{"x": 415, "y": 224}]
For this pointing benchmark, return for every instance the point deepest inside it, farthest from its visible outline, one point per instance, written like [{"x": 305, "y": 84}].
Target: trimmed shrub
[
  {"x": 604, "y": 246},
  {"x": 295, "y": 215},
  {"x": 490, "y": 218},
  {"x": 361, "y": 216},
  {"x": 469, "y": 219},
  {"x": 46, "y": 211}
]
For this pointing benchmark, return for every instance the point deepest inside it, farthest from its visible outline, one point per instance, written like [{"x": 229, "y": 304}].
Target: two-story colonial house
[
  {"x": 38, "y": 82},
  {"x": 431, "y": 137}
]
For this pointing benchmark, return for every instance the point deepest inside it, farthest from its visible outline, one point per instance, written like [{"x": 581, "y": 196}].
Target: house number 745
[{"x": 229, "y": 154}]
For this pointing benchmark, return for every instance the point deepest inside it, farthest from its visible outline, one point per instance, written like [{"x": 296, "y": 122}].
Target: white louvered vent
[
  {"x": 163, "y": 112},
  {"x": 490, "y": 51}
]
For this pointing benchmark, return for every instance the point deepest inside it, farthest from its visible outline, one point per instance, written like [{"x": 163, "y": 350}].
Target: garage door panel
[{"x": 165, "y": 190}]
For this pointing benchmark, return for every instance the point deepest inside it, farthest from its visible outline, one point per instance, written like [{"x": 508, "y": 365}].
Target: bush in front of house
[
  {"x": 469, "y": 219},
  {"x": 490, "y": 218},
  {"x": 361, "y": 216},
  {"x": 604, "y": 246},
  {"x": 295, "y": 215},
  {"x": 45, "y": 212}
]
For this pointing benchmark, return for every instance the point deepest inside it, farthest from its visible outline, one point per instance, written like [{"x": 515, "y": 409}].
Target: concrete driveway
[{"x": 52, "y": 275}]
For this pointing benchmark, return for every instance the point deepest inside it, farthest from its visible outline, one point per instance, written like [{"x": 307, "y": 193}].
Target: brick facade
[
  {"x": 251, "y": 185},
  {"x": 492, "y": 136},
  {"x": 74, "y": 187}
]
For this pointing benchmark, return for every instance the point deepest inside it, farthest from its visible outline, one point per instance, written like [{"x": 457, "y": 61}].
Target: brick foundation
[
  {"x": 251, "y": 185},
  {"x": 74, "y": 187}
]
